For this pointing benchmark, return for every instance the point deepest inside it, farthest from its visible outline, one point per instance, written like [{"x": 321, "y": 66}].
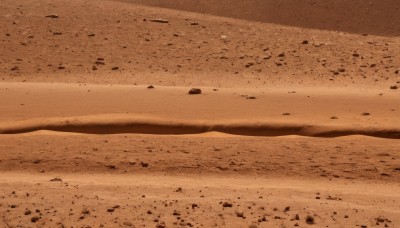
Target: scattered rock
[
  {"x": 115, "y": 68},
  {"x": 365, "y": 114},
  {"x": 56, "y": 179},
  {"x": 179, "y": 189},
  {"x": 127, "y": 224},
  {"x": 239, "y": 214},
  {"x": 394, "y": 87},
  {"x": 159, "y": 20},
  {"x": 57, "y": 33},
  {"x": 304, "y": 42},
  {"x": 94, "y": 68},
  {"x": 52, "y": 16},
  {"x": 226, "y": 204},
  {"x": 150, "y": 87},
  {"x": 282, "y": 54},
  {"x": 111, "y": 166},
  {"x": 286, "y": 114},
  {"x": 35, "y": 219},
  {"x": 310, "y": 220},
  {"x": 249, "y": 65},
  {"x": 144, "y": 164},
  {"x": 27, "y": 212},
  {"x": 251, "y": 98},
  {"x": 195, "y": 91}
]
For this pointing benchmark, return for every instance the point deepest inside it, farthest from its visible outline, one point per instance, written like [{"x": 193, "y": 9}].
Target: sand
[{"x": 296, "y": 123}]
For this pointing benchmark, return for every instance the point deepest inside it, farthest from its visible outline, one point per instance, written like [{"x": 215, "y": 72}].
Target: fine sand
[{"x": 297, "y": 123}]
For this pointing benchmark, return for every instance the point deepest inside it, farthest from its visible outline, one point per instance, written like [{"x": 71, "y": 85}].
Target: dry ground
[{"x": 85, "y": 143}]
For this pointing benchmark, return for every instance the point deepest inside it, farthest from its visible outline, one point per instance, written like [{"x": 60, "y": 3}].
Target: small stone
[
  {"x": 35, "y": 219},
  {"x": 94, "y": 68},
  {"x": 160, "y": 21},
  {"x": 394, "y": 87},
  {"x": 251, "y": 98},
  {"x": 127, "y": 224},
  {"x": 365, "y": 114},
  {"x": 56, "y": 179},
  {"x": 52, "y": 16},
  {"x": 305, "y": 42},
  {"x": 310, "y": 220},
  {"x": 195, "y": 91},
  {"x": 115, "y": 68},
  {"x": 226, "y": 204},
  {"x": 85, "y": 211},
  {"x": 240, "y": 214},
  {"x": 28, "y": 212},
  {"x": 150, "y": 87}
]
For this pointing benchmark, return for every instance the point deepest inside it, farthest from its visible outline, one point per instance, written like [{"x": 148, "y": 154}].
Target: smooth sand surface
[{"x": 297, "y": 123}]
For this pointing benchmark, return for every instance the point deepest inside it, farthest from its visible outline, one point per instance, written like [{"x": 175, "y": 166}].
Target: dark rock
[
  {"x": 35, "y": 219},
  {"x": 56, "y": 179},
  {"x": 226, "y": 204},
  {"x": 310, "y": 220},
  {"x": 52, "y": 16},
  {"x": 195, "y": 91},
  {"x": 160, "y": 21}
]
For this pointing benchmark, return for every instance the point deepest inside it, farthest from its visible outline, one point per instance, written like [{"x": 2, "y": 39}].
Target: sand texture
[{"x": 187, "y": 113}]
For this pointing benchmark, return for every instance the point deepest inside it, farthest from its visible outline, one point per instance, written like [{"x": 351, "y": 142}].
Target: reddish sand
[{"x": 296, "y": 124}]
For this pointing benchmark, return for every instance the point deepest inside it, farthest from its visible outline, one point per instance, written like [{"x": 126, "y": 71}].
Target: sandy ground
[{"x": 296, "y": 126}]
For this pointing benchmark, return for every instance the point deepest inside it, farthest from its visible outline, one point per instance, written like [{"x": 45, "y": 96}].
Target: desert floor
[{"x": 297, "y": 124}]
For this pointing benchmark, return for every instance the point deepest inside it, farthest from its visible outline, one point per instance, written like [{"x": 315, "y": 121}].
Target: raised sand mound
[
  {"x": 379, "y": 17},
  {"x": 109, "y": 124}
]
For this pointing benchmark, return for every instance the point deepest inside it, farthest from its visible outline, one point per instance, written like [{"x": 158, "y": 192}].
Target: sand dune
[
  {"x": 370, "y": 17},
  {"x": 114, "y": 124}
]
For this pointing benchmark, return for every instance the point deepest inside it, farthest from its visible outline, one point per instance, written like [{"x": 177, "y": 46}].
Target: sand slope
[
  {"x": 363, "y": 16},
  {"x": 85, "y": 45}
]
